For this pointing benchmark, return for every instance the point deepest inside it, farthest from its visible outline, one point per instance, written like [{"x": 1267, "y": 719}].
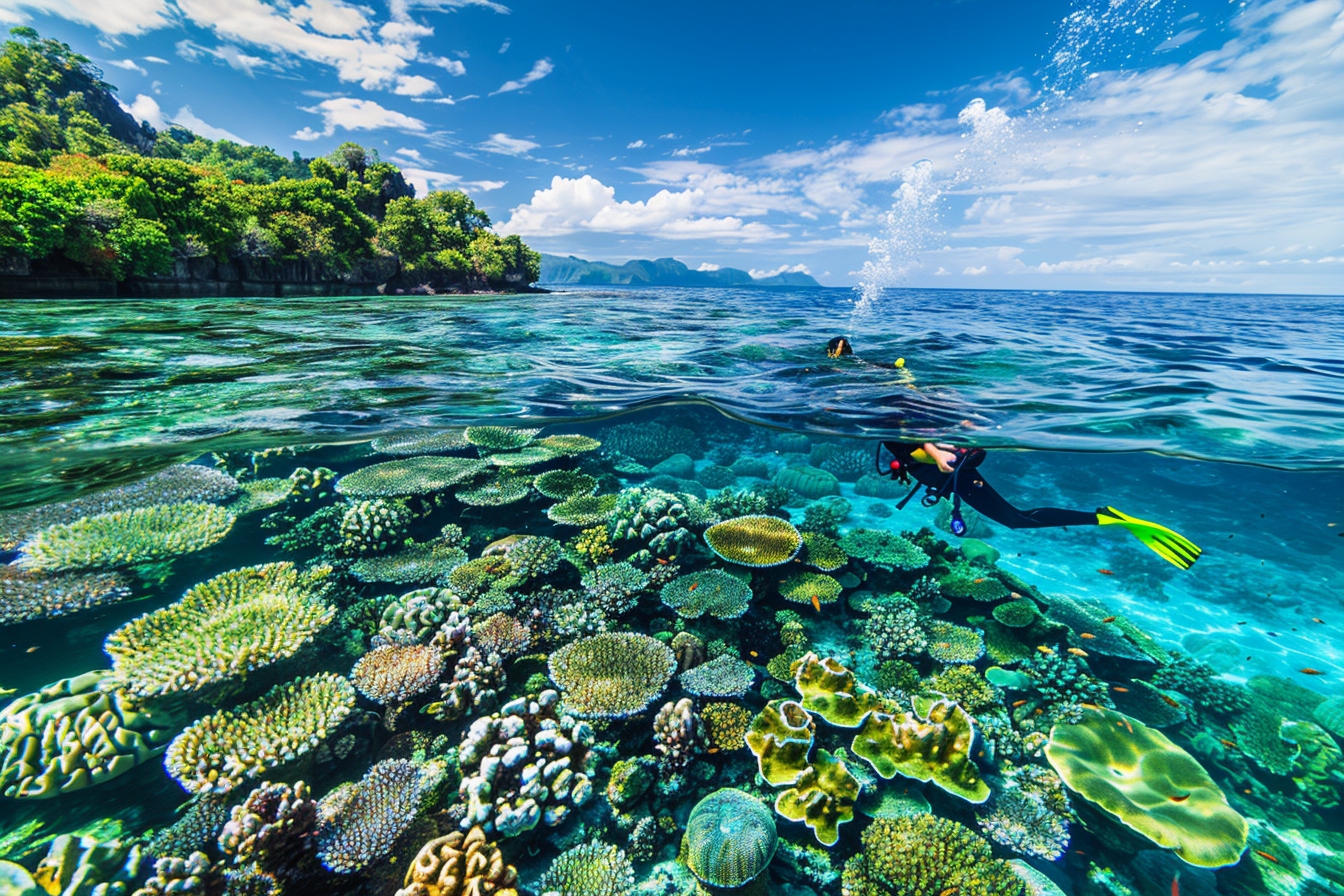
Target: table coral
[
  {"x": 711, "y": 591},
  {"x": 883, "y": 549},
  {"x": 613, "y": 675},
  {"x": 723, "y": 676},
  {"x": 126, "y": 537},
  {"x": 410, "y": 476},
  {"x": 759, "y": 541}
]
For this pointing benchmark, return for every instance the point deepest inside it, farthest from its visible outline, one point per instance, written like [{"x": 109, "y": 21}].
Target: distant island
[
  {"x": 559, "y": 270},
  {"x": 93, "y": 203}
]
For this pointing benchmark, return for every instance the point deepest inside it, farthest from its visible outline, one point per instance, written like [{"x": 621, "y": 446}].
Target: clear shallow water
[{"x": 98, "y": 394}]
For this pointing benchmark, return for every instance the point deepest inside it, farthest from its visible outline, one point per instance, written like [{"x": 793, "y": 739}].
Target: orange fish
[
  {"x": 1018, "y": 703},
  {"x": 1307, "y": 670},
  {"x": 663, "y": 562},
  {"x": 1230, "y": 744},
  {"x": 694, "y": 585},
  {"x": 1265, "y": 855},
  {"x": 1119, "y": 690},
  {"x": 1170, "y": 702},
  {"x": 1318, "y": 619},
  {"x": 1045, "y": 650},
  {"x": 1077, "y": 651},
  {"x": 943, "y": 645},
  {"x": 1087, "y": 636},
  {"x": 32, "y": 650},
  {"x": 1109, "y": 619},
  {"x": 1176, "y": 884},
  {"x": 712, "y": 750},
  {"x": 753, "y": 653},
  {"x": 816, "y": 603},
  {"x": 976, "y": 581},
  {"x": 1106, "y": 572}
]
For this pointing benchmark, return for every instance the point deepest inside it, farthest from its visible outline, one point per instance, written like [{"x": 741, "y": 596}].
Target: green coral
[
  {"x": 713, "y": 591},
  {"x": 730, "y": 839},
  {"x": 964, "y": 686},
  {"x": 1318, "y": 767},
  {"x": 654, "y": 517},
  {"x": 724, "y": 676},
  {"x": 568, "y": 444},
  {"x": 419, "y": 613},
  {"x": 224, "y": 628},
  {"x": 822, "y": 798},
  {"x": 409, "y": 477},
  {"x": 612, "y": 675},
  {"x": 499, "y": 438},
  {"x": 896, "y": 675},
  {"x": 86, "y": 866},
  {"x": 582, "y": 510},
  {"x": 925, "y": 855},
  {"x": 73, "y": 734},
  {"x": 126, "y": 537},
  {"x": 1151, "y": 785},
  {"x": 222, "y": 750},
  {"x": 501, "y": 490},
  {"x": 967, "y": 582},
  {"x": 1016, "y": 613},
  {"x": 952, "y": 643},
  {"x": 590, "y": 869},
  {"x": 415, "y": 564},
  {"x": 562, "y": 484},
  {"x": 421, "y": 441},
  {"x": 883, "y": 549},
  {"x": 809, "y": 588},
  {"x": 25, "y": 596},
  {"x": 759, "y": 541},
  {"x": 374, "y": 526},
  {"x": 780, "y": 737},
  {"x": 833, "y": 692},
  {"x": 931, "y": 743},
  {"x": 823, "y": 552}
]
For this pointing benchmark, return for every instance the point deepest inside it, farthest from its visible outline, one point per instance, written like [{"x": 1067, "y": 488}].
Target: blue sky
[{"x": 1161, "y": 144}]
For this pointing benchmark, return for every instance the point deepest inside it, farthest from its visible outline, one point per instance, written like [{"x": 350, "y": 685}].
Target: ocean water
[{"x": 1138, "y": 728}]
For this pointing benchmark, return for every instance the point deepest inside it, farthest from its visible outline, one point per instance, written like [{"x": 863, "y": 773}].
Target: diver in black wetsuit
[{"x": 944, "y": 471}]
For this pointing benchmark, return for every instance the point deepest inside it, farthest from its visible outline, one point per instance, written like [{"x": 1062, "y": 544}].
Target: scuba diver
[{"x": 944, "y": 471}]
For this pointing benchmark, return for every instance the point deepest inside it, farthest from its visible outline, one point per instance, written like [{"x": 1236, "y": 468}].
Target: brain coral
[
  {"x": 590, "y": 869},
  {"x": 713, "y": 591},
  {"x": 460, "y": 864},
  {"x": 359, "y": 823},
  {"x": 226, "y": 627},
  {"x": 181, "y": 483},
  {"x": 730, "y": 839},
  {"x": 754, "y": 540},
  {"x": 221, "y": 750},
  {"x": 1151, "y": 785},
  {"x": 925, "y": 855},
  {"x": 411, "y": 476},
  {"x": 883, "y": 549},
  {"x": 612, "y": 675},
  {"x": 126, "y": 537},
  {"x": 73, "y": 734},
  {"x": 25, "y": 596}
]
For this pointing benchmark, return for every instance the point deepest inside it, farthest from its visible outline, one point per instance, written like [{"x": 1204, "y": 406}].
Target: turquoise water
[{"x": 1218, "y": 416}]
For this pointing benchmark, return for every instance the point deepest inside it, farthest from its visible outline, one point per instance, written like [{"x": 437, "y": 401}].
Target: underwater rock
[
  {"x": 680, "y": 466},
  {"x": 730, "y": 839},
  {"x": 809, "y": 482},
  {"x": 612, "y": 675},
  {"x": 73, "y": 734},
  {"x": 1150, "y": 784},
  {"x": 932, "y": 743}
]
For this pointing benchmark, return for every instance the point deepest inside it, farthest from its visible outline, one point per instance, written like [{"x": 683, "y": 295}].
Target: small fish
[
  {"x": 1077, "y": 651},
  {"x": 1087, "y": 636},
  {"x": 1128, "y": 726},
  {"x": 712, "y": 750},
  {"x": 1318, "y": 620},
  {"x": 694, "y": 585},
  {"x": 1170, "y": 702},
  {"x": 1272, "y": 634},
  {"x": 1264, "y": 855},
  {"x": 1230, "y": 744},
  {"x": 943, "y": 645},
  {"x": 1180, "y": 799},
  {"x": 1176, "y": 884},
  {"x": 816, "y": 603},
  {"x": 1014, "y": 595},
  {"x": 1045, "y": 650},
  {"x": 32, "y": 650},
  {"x": 1247, "y": 791},
  {"x": 1039, "y": 712},
  {"x": 1109, "y": 619},
  {"x": 1106, "y": 572},
  {"x": 1019, "y": 703},
  {"x": 1119, "y": 690},
  {"x": 752, "y": 653},
  {"x": 663, "y": 562},
  {"x": 976, "y": 581},
  {"x": 1091, "y": 706},
  {"x": 1305, "y": 670}
]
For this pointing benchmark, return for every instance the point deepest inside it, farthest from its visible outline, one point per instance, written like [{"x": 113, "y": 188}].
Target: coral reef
[
  {"x": 932, "y": 743},
  {"x": 591, "y": 869},
  {"x": 725, "y": 725},
  {"x": 359, "y": 823},
  {"x": 1016, "y": 613},
  {"x": 883, "y": 549},
  {"x": 496, "y": 492},
  {"x": 74, "y": 866},
  {"x": 713, "y": 591},
  {"x": 612, "y": 675},
  {"x": 409, "y": 477},
  {"x": 25, "y": 596},
  {"x": 823, "y": 553},
  {"x": 730, "y": 839},
  {"x": 833, "y": 692},
  {"x": 498, "y": 438},
  {"x": 582, "y": 510},
  {"x": 421, "y": 441},
  {"x": 224, "y": 628},
  {"x": 655, "y": 518},
  {"x": 614, "y": 588},
  {"x": 126, "y": 537},
  {"x": 392, "y": 674},
  {"x": 559, "y": 485},
  {"x": 222, "y": 750},
  {"x": 415, "y": 564},
  {"x": 649, "y": 443},
  {"x": 374, "y": 526},
  {"x": 952, "y": 643},
  {"x": 810, "y": 588},
  {"x": 723, "y": 676},
  {"x": 926, "y": 856},
  {"x": 677, "y": 735},
  {"x": 272, "y": 829},
  {"x": 895, "y": 632},
  {"x": 524, "y": 766},
  {"x": 73, "y": 734},
  {"x": 822, "y": 798},
  {"x": 460, "y": 864},
  {"x": 754, "y": 540}
]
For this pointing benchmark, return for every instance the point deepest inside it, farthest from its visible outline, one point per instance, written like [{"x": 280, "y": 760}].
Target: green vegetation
[{"x": 85, "y": 189}]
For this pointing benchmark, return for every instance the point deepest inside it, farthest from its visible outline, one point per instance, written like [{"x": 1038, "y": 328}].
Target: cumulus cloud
[
  {"x": 540, "y": 69},
  {"x": 414, "y": 85},
  {"x": 638, "y": 144},
  {"x": 782, "y": 269},
  {"x": 146, "y": 108},
  {"x": 191, "y": 122},
  {"x": 351, "y": 114},
  {"x": 708, "y": 266},
  {"x": 121, "y": 17},
  {"x": 129, "y": 65},
  {"x": 571, "y": 205},
  {"x": 505, "y": 145}
]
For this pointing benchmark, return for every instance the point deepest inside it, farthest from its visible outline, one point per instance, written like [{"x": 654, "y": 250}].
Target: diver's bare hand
[{"x": 942, "y": 455}]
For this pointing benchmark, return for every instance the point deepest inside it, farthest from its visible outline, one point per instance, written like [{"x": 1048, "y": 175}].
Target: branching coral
[
  {"x": 883, "y": 549},
  {"x": 590, "y": 869},
  {"x": 421, "y": 441},
  {"x": 730, "y": 839},
  {"x": 221, "y": 750},
  {"x": 926, "y": 855},
  {"x": 822, "y": 552},
  {"x": 582, "y": 510},
  {"x": 272, "y": 829},
  {"x": 501, "y": 634},
  {"x": 723, "y": 676},
  {"x": 1022, "y": 820},
  {"x": 895, "y": 632},
  {"x": 126, "y": 537},
  {"x": 612, "y": 675},
  {"x": 712, "y": 591},
  {"x": 524, "y": 766},
  {"x": 964, "y": 686},
  {"x": 392, "y": 673},
  {"x": 25, "y": 596},
  {"x": 754, "y": 540},
  {"x": 1065, "y": 685},
  {"x": 74, "y": 734},
  {"x": 460, "y": 864},
  {"x": 952, "y": 643},
  {"x": 677, "y": 735},
  {"x": 359, "y": 823},
  {"x": 614, "y": 588},
  {"x": 223, "y": 628},
  {"x": 408, "y": 477}
]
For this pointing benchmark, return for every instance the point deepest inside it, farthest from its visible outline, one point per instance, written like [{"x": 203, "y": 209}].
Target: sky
[{"x": 1187, "y": 145}]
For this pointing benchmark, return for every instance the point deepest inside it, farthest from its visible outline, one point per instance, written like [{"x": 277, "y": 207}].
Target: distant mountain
[{"x": 561, "y": 271}]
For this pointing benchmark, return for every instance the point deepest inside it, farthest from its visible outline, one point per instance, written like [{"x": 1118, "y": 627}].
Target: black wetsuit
[{"x": 967, "y": 482}]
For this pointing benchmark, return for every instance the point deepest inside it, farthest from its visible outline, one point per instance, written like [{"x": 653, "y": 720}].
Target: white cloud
[
  {"x": 540, "y": 69},
  {"x": 227, "y": 53},
  {"x": 145, "y": 108},
  {"x": 686, "y": 152},
  {"x": 188, "y": 120},
  {"x": 638, "y": 144},
  {"x": 504, "y": 47},
  {"x": 508, "y": 146},
  {"x": 414, "y": 155},
  {"x": 129, "y": 65},
  {"x": 113, "y": 18},
  {"x": 353, "y": 114},
  {"x": 455, "y": 67},
  {"x": 332, "y": 17},
  {"x": 157, "y": 60},
  {"x": 707, "y": 266},
  {"x": 782, "y": 269},
  {"x": 414, "y": 85},
  {"x": 571, "y": 205}
]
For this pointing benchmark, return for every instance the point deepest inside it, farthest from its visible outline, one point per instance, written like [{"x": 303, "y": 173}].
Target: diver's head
[{"x": 838, "y": 346}]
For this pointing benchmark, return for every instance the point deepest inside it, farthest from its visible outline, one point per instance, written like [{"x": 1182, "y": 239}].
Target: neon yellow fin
[{"x": 1171, "y": 546}]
